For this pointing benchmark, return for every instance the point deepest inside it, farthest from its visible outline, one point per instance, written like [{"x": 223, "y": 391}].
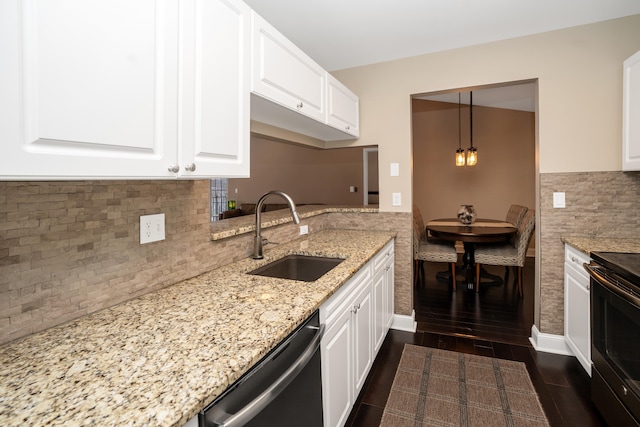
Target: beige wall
[
  {"x": 578, "y": 109},
  {"x": 504, "y": 175},
  {"x": 579, "y": 73},
  {"x": 308, "y": 175}
]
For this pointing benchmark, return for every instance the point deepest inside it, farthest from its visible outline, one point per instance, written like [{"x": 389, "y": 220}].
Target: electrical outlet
[
  {"x": 304, "y": 229},
  {"x": 151, "y": 228},
  {"x": 397, "y": 199}
]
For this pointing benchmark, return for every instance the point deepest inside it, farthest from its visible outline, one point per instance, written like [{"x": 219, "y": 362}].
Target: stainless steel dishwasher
[{"x": 283, "y": 389}]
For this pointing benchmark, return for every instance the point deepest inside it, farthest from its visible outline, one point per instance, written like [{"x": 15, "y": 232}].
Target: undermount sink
[{"x": 298, "y": 267}]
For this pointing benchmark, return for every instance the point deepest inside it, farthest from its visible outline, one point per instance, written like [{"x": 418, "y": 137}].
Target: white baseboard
[
  {"x": 403, "y": 322},
  {"x": 549, "y": 343}
]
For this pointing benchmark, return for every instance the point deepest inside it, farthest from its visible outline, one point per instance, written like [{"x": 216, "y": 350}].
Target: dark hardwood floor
[{"x": 494, "y": 323}]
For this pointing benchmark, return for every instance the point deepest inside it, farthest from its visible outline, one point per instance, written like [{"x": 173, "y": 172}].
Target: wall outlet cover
[
  {"x": 397, "y": 199},
  {"x": 304, "y": 229},
  {"x": 559, "y": 200},
  {"x": 151, "y": 228}
]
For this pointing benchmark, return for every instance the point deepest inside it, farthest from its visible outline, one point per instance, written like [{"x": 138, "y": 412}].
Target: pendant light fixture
[
  {"x": 472, "y": 153},
  {"x": 460, "y": 158}
]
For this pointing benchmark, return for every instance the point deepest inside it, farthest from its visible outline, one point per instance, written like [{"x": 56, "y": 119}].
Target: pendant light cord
[
  {"x": 471, "y": 118},
  {"x": 459, "y": 126}
]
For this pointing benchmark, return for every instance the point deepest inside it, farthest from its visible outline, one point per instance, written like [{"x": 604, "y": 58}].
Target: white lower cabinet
[
  {"x": 357, "y": 318},
  {"x": 577, "y": 310},
  {"x": 383, "y": 272},
  {"x": 337, "y": 370}
]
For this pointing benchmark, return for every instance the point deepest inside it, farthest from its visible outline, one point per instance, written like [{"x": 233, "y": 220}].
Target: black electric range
[
  {"x": 615, "y": 336},
  {"x": 624, "y": 264}
]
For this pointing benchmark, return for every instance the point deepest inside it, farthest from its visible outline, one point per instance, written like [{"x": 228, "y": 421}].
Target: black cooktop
[{"x": 626, "y": 265}]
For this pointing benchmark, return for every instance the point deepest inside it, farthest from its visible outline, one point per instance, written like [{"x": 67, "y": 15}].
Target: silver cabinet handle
[
  {"x": 348, "y": 127},
  {"x": 174, "y": 168},
  {"x": 355, "y": 309},
  {"x": 191, "y": 167},
  {"x": 300, "y": 105}
]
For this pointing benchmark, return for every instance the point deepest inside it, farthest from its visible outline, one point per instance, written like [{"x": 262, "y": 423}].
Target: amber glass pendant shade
[
  {"x": 460, "y": 157},
  {"x": 472, "y": 156}
]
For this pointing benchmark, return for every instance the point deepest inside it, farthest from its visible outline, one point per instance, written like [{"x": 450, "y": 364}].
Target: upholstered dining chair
[
  {"x": 431, "y": 250},
  {"x": 509, "y": 254}
]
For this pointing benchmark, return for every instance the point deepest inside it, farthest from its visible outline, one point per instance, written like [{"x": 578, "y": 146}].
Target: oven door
[{"x": 615, "y": 346}]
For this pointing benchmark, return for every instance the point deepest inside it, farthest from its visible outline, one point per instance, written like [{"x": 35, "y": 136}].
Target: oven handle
[
  {"x": 259, "y": 403},
  {"x": 593, "y": 272}
]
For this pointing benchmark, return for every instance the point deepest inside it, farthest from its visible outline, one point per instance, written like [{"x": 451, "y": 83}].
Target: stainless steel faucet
[{"x": 257, "y": 240}]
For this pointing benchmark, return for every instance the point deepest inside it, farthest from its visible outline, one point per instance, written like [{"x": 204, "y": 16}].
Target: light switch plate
[
  {"x": 558, "y": 200},
  {"x": 395, "y": 169},
  {"x": 397, "y": 199},
  {"x": 151, "y": 228},
  {"x": 304, "y": 229}
]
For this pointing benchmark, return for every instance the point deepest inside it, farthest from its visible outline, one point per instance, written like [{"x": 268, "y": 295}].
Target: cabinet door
[
  {"x": 337, "y": 373},
  {"x": 284, "y": 74},
  {"x": 630, "y": 114},
  {"x": 88, "y": 88},
  {"x": 577, "y": 308},
  {"x": 380, "y": 316},
  {"x": 390, "y": 289},
  {"x": 577, "y": 312},
  {"x": 215, "y": 89},
  {"x": 363, "y": 336},
  {"x": 343, "y": 107}
]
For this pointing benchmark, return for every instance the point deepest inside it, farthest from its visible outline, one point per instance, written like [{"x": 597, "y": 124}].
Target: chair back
[
  {"x": 515, "y": 214},
  {"x": 525, "y": 232},
  {"x": 419, "y": 232}
]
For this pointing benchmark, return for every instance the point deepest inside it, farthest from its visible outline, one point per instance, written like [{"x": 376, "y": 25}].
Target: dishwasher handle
[{"x": 249, "y": 411}]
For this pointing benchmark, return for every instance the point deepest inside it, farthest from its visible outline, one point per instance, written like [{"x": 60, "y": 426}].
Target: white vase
[{"x": 466, "y": 214}]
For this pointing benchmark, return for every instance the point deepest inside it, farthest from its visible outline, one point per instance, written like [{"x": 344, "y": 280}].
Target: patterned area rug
[{"x": 435, "y": 387}]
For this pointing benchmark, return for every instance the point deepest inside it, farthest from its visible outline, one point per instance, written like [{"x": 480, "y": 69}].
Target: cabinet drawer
[
  {"x": 344, "y": 296},
  {"x": 380, "y": 259},
  {"x": 576, "y": 259}
]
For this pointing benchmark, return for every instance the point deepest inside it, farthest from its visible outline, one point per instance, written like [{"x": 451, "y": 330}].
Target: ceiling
[
  {"x": 514, "y": 96},
  {"x": 340, "y": 34}
]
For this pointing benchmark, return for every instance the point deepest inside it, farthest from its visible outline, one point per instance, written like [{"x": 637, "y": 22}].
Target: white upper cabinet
[
  {"x": 215, "y": 89},
  {"x": 284, "y": 74},
  {"x": 631, "y": 114},
  {"x": 121, "y": 89},
  {"x": 291, "y": 91},
  {"x": 343, "y": 107}
]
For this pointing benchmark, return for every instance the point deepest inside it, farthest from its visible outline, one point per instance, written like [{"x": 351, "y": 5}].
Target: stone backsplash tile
[
  {"x": 597, "y": 204},
  {"x": 72, "y": 248}
]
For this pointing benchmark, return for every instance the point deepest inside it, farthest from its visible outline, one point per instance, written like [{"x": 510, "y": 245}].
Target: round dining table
[{"x": 481, "y": 231}]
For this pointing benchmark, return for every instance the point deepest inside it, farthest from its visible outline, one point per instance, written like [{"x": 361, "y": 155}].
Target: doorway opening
[
  {"x": 370, "y": 179},
  {"x": 503, "y": 123}
]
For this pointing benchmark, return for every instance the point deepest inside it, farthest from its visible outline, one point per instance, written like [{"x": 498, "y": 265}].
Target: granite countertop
[
  {"x": 247, "y": 223},
  {"x": 160, "y": 358},
  {"x": 588, "y": 244}
]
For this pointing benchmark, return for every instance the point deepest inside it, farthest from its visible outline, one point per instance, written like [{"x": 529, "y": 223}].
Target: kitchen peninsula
[{"x": 160, "y": 358}]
